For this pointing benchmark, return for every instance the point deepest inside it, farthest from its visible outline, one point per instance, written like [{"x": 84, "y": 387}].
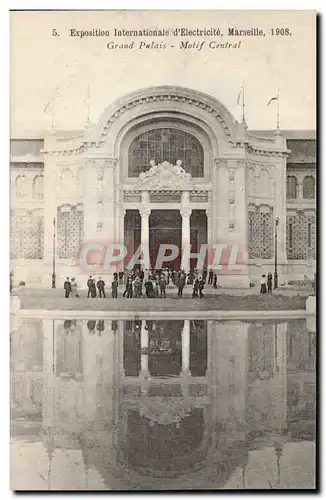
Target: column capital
[
  {"x": 185, "y": 198},
  {"x": 144, "y": 211},
  {"x": 185, "y": 211},
  {"x": 100, "y": 171},
  {"x": 111, "y": 162},
  {"x": 145, "y": 199}
]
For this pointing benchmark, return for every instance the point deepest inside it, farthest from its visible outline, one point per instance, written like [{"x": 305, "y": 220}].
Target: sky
[{"x": 43, "y": 65}]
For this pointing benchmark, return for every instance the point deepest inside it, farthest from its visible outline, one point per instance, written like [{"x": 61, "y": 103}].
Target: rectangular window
[
  {"x": 290, "y": 236},
  {"x": 309, "y": 234}
]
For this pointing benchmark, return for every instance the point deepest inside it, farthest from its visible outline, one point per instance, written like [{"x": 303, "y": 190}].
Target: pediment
[{"x": 165, "y": 176}]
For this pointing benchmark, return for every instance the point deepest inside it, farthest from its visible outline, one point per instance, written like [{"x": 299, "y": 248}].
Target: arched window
[
  {"x": 309, "y": 187},
  {"x": 20, "y": 186},
  {"x": 38, "y": 189},
  {"x": 166, "y": 144},
  {"x": 291, "y": 187}
]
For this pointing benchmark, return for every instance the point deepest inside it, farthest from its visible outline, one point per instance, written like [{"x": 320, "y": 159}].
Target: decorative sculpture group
[{"x": 166, "y": 173}]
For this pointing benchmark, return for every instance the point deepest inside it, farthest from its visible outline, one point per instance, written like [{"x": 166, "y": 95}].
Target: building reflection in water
[{"x": 167, "y": 404}]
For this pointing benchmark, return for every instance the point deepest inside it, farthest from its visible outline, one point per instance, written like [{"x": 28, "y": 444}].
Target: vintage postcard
[{"x": 163, "y": 250}]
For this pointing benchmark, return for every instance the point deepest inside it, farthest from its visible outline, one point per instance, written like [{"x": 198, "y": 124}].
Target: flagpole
[
  {"x": 243, "y": 103},
  {"x": 278, "y": 110}
]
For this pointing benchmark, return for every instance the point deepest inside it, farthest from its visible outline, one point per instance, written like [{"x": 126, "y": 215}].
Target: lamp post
[
  {"x": 277, "y": 220},
  {"x": 53, "y": 256}
]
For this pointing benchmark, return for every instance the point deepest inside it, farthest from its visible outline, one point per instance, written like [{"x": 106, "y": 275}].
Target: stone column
[
  {"x": 185, "y": 212},
  {"x": 145, "y": 212},
  {"x": 185, "y": 373},
  {"x": 209, "y": 239},
  {"x": 121, "y": 241},
  {"x": 144, "y": 350},
  {"x": 185, "y": 339},
  {"x": 120, "y": 351},
  {"x": 89, "y": 373}
]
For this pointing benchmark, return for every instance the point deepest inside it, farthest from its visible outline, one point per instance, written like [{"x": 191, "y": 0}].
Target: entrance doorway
[{"x": 164, "y": 229}]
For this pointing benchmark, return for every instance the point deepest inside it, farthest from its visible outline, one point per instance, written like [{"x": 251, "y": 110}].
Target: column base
[{"x": 144, "y": 374}]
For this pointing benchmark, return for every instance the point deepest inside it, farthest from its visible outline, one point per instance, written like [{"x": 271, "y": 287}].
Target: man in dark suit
[
  {"x": 115, "y": 285},
  {"x": 67, "y": 287},
  {"x": 89, "y": 286},
  {"x": 100, "y": 286}
]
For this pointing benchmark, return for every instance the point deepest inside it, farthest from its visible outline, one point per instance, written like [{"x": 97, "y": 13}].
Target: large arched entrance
[
  {"x": 169, "y": 164},
  {"x": 166, "y": 156}
]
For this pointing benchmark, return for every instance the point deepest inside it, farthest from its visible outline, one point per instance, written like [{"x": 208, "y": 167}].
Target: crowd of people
[
  {"x": 151, "y": 283},
  {"x": 154, "y": 283}
]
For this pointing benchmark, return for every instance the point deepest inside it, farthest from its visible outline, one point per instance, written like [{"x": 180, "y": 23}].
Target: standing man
[
  {"x": 210, "y": 277},
  {"x": 67, "y": 288},
  {"x": 115, "y": 289},
  {"x": 101, "y": 285},
  {"x": 89, "y": 286},
  {"x": 162, "y": 285},
  {"x": 269, "y": 283},
  {"x": 195, "y": 288},
  {"x": 204, "y": 275},
  {"x": 93, "y": 288},
  {"x": 149, "y": 288},
  {"x": 181, "y": 284},
  {"x": 201, "y": 285},
  {"x": 128, "y": 290}
]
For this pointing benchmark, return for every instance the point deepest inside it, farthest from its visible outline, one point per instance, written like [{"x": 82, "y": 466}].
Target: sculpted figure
[{"x": 178, "y": 167}]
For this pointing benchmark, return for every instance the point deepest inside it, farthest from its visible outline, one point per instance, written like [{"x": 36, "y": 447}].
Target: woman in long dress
[
  {"x": 74, "y": 288},
  {"x": 263, "y": 284}
]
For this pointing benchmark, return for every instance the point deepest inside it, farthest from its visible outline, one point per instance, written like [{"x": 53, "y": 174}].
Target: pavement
[{"x": 219, "y": 299}]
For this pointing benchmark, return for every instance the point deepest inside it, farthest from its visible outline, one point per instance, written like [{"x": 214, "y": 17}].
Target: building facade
[{"x": 164, "y": 165}]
